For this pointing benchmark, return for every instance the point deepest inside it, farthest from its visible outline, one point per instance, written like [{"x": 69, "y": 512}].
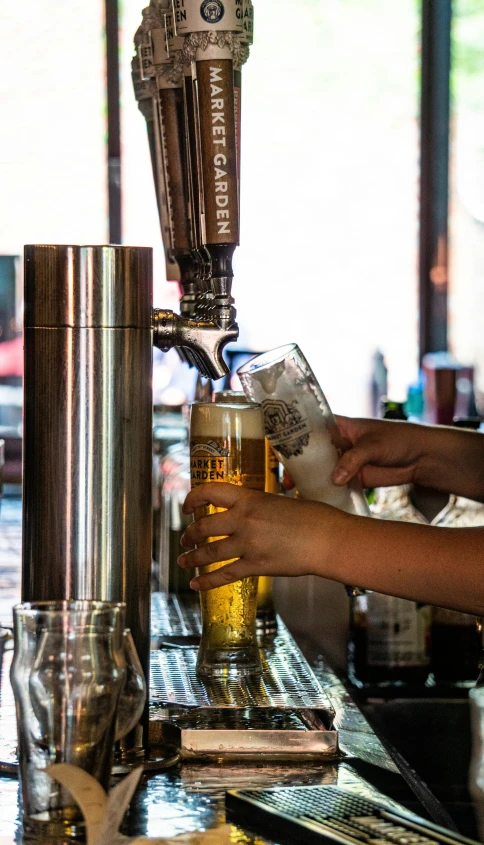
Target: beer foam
[{"x": 211, "y": 420}]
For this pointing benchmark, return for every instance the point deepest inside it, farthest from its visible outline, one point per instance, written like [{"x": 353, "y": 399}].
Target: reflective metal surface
[
  {"x": 88, "y": 286},
  {"x": 87, "y": 428},
  {"x": 249, "y": 737},
  {"x": 205, "y": 338},
  {"x": 175, "y": 618},
  {"x": 286, "y": 682}
]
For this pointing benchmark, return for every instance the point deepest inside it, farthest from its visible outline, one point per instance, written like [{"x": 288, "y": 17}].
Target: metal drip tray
[
  {"x": 286, "y": 682},
  {"x": 284, "y": 714},
  {"x": 244, "y": 734}
]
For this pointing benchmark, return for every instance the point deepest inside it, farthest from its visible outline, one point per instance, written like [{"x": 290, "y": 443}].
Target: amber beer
[
  {"x": 227, "y": 444},
  {"x": 266, "y": 622}
]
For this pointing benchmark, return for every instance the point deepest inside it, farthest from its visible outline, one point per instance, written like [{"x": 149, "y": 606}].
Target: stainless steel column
[{"x": 87, "y": 428}]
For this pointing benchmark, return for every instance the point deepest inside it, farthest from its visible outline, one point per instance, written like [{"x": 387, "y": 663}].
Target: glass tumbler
[
  {"x": 300, "y": 425},
  {"x": 227, "y": 444},
  {"x": 67, "y": 675}
]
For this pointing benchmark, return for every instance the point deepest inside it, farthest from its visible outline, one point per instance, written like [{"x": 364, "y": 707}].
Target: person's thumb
[{"x": 351, "y": 462}]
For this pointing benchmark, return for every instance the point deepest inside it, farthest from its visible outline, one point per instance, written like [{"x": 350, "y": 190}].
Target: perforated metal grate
[
  {"x": 286, "y": 682},
  {"x": 175, "y": 616}
]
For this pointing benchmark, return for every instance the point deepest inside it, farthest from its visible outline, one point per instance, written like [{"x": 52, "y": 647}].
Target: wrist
[
  {"x": 327, "y": 552},
  {"x": 432, "y": 445}
]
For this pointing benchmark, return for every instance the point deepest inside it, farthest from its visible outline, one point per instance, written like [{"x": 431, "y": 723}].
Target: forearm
[
  {"x": 452, "y": 460},
  {"x": 262, "y": 534},
  {"x": 434, "y": 565}
]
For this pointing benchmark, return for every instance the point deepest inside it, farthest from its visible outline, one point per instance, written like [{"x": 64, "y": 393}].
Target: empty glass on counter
[
  {"x": 300, "y": 426},
  {"x": 227, "y": 444},
  {"x": 67, "y": 675}
]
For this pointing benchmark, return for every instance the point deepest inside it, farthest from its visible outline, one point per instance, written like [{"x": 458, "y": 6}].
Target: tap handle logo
[{"x": 212, "y": 11}]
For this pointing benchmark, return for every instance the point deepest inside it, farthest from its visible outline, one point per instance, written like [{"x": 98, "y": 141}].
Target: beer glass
[
  {"x": 266, "y": 621},
  {"x": 67, "y": 675},
  {"x": 300, "y": 426},
  {"x": 227, "y": 444}
]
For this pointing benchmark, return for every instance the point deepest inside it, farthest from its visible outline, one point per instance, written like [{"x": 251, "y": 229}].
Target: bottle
[
  {"x": 379, "y": 381},
  {"x": 170, "y": 450},
  {"x": 390, "y": 637},
  {"x": 456, "y": 638},
  {"x": 174, "y": 522}
]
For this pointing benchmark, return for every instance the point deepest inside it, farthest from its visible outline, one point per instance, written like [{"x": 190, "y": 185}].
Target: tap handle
[
  {"x": 173, "y": 128},
  {"x": 214, "y": 86},
  {"x": 192, "y": 156}
]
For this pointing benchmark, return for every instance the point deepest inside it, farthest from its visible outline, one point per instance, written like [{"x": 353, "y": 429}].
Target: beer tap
[
  {"x": 149, "y": 40},
  {"x": 169, "y": 87},
  {"x": 201, "y": 338},
  {"x": 170, "y": 111},
  {"x": 175, "y": 48},
  {"x": 142, "y": 73},
  {"x": 212, "y": 47}
]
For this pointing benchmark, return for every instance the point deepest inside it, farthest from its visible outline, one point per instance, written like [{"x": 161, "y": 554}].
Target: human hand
[
  {"x": 381, "y": 452},
  {"x": 266, "y": 534}
]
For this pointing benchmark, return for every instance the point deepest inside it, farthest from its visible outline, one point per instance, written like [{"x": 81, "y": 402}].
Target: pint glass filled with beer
[
  {"x": 227, "y": 444},
  {"x": 266, "y": 620}
]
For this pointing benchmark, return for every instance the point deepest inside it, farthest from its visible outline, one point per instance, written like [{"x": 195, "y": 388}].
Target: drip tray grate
[
  {"x": 175, "y": 617},
  {"x": 286, "y": 682}
]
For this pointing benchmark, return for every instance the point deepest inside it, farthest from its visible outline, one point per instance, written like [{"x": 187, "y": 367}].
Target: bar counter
[{"x": 190, "y": 796}]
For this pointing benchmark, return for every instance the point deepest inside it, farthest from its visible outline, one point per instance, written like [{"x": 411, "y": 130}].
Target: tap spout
[{"x": 204, "y": 339}]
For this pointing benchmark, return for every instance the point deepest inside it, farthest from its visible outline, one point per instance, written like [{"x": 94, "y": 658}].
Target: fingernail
[
  {"x": 340, "y": 476},
  {"x": 194, "y": 584},
  {"x": 181, "y": 560}
]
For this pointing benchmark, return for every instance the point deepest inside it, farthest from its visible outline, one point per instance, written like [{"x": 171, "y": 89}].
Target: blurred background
[{"x": 330, "y": 183}]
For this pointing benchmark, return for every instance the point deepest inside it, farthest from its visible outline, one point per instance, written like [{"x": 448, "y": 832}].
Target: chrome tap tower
[{"x": 87, "y": 428}]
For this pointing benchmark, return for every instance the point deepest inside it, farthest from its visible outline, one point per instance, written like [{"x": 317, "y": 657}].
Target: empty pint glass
[
  {"x": 300, "y": 426},
  {"x": 67, "y": 674},
  {"x": 227, "y": 444}
]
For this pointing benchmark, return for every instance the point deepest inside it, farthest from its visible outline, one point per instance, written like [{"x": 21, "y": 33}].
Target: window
[{"x": 467, "y": 189}]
